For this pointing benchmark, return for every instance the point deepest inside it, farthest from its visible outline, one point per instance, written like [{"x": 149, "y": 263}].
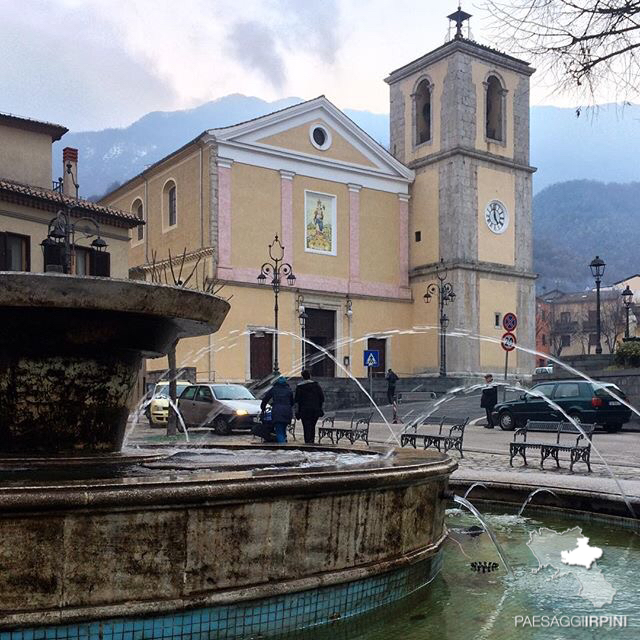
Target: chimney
[{"x": 70, "y": 172}]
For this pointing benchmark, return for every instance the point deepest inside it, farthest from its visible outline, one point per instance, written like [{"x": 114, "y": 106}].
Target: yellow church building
[{"x": 364, "y": 230}]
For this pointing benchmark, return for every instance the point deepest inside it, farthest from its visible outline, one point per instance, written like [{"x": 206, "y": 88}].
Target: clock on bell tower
[{"x": 460, "y": 120}]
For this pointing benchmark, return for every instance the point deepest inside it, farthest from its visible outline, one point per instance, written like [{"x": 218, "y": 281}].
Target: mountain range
[
  {"x": 587, "y": 184},
  {"x": 597, "y": 145}
]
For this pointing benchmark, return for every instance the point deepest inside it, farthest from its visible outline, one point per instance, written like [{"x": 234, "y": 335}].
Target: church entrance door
[
  {"x": 261, "y": 354},
  {"x": 320, "y": 328}
]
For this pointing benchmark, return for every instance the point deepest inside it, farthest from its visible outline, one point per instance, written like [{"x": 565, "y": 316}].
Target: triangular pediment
[{"x": 290, "y": 132}]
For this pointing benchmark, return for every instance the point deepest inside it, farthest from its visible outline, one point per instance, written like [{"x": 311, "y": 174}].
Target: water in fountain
[
  {"x": 472, "y": 487},
  {"x": 530, "y": 498},
  {"x": 465, "y": 503}
]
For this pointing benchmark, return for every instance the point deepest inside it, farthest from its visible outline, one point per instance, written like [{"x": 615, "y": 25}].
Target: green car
[{"x": 587, "y": 402}]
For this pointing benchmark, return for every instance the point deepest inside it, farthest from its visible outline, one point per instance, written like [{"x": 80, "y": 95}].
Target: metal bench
[
  {"x": 578, "y": 452},
  {"x": 452, "y": 440},
  {"x": 358, "y": 429}
]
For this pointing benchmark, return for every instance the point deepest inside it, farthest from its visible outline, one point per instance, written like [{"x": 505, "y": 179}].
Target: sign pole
[
  {"x": 506, "y": 364},
  {"x": 370, "y": 370}
]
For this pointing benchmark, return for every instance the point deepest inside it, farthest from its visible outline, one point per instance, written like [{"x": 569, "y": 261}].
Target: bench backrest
[{"x": 560, "y": 428}]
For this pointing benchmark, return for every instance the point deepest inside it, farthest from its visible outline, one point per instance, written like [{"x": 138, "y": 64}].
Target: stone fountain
[{"x": 225, "y": 542}]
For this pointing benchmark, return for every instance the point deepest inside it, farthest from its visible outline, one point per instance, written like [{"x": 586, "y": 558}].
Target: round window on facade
[{"x": 320, "y": 137}]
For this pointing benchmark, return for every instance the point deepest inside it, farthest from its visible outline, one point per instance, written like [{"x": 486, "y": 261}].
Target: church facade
[{"x": 364, "y": 230}]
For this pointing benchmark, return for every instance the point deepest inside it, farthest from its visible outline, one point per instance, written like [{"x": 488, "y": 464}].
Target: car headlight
[{"x": 242, "y": 412}]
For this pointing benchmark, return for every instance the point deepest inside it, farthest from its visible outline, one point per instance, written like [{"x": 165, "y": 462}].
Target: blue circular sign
[{"x": 509, "y": 322}]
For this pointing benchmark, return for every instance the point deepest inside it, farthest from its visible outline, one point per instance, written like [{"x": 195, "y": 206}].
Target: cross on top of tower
[{"x": 459, "y": 17}]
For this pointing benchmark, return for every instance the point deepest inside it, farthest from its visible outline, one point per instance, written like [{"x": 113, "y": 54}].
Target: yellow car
[{"x": 157, "y": 411}]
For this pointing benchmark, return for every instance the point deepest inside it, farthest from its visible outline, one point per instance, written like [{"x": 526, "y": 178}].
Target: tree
[
  {"x": 612, "y": 322},
  {"x": 583, "y": 43}
]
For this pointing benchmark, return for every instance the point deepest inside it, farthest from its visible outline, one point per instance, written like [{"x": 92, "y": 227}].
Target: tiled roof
[
  {"x": 52, "y": 200},
  {"x": 56, "y": 131}
]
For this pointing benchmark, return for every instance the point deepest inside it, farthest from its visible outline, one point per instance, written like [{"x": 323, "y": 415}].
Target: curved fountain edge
[{"x": 579, "y": 501}]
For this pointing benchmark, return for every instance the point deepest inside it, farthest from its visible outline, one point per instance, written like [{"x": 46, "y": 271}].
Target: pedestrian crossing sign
[{"x": 372, "y": 358}]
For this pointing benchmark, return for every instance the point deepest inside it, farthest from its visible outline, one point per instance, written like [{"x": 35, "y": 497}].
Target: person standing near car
[
  {"x": 489, "y": 399},
  {"x": 281, "y": 398},
  {"x": 309, "y": 398}
]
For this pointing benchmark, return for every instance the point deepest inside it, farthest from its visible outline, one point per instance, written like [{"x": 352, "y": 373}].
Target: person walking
[
  {"x": 392, "y": 378},
  {"x": 281, "y": 398},
  {"x": 489, "y": 399},
  {"x": 309, "y": 400}
]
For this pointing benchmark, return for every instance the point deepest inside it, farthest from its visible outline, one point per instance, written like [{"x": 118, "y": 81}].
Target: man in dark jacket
[
  {"x": 489, "y": 399},
  {"x": 309, "y": 398},
  {"x": 392, "y": 378},
  {"x": 281, "y": 398}
]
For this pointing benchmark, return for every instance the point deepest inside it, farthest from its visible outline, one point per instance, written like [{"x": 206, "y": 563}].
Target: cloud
[{"x": 254, "y": 45}]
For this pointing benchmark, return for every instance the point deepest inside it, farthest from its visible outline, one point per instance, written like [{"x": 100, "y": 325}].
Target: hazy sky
[{"x": 91, "y": 64}]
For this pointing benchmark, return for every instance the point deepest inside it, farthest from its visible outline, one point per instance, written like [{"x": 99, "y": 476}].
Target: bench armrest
[{"x": 522, "y": 431}]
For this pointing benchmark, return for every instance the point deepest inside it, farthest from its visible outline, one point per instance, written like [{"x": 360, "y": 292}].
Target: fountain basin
[
  {"x": 166, "y": 542},
  {"x": 70, "y": 352}
]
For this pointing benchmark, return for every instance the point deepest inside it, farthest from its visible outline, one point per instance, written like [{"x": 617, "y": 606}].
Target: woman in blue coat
[{"x": 281, "y": 398}]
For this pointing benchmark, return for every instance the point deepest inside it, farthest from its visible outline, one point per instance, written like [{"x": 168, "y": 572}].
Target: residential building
[{"x": 30, "y": 202}]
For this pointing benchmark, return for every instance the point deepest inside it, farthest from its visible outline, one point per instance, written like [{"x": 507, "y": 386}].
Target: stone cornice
[
  {"x": 489, "y": 268},
  {"x": 471, "y": 153},
  {"x": 463, "y": 46}
]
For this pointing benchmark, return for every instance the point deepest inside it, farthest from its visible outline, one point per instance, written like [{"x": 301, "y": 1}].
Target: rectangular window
[
  {"x": 593, "y": 339},
  {"x": 418, "y": 236},
  {"x": 15, "y": 252},
  {"x": 593, "y": 316},
  {"x": 544, "y": 340},
  {"x": 173, "y": 212},
  {"x": 497, "y": 320},
  {"x": 89, "y": 262},
  {"x": 82, "y": 266},
  {"x": 544, "y": 314},
  {"x": 565, "y": 317},
  {"x": 565, "y": 340}
]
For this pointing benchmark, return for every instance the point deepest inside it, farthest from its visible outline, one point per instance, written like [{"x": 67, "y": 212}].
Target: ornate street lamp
[
  {"x": 275, "y": 270},
  {"x": 597, "y": 266},
  {"x": 302, "y": 319},
  {"x": 445, "y": 293},
  {"x": 627, "y": 300},
  {"x": 62, "y": 233}
]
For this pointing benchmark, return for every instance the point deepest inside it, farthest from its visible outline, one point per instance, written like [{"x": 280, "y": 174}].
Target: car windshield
[
  {"x": 162, "y": 391},
  {"x": 232, "y": 392}
]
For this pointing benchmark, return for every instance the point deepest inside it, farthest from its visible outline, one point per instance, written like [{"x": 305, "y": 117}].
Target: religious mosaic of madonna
[{"x": 320, "y": 223}]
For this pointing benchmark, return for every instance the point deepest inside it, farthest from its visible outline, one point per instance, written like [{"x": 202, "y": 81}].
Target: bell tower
[{"x": 460, "y": 120}]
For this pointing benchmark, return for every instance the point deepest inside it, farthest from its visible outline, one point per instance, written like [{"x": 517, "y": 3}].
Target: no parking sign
[{"x": 509, "y": 322}]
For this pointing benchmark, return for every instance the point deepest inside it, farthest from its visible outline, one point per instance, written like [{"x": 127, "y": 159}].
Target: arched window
[
  {"x": 422, "y": 114},
  {"x": 138, "y": 210},
  {"x": 170, "y": 203},
  {"x": 495, "y": 109}
]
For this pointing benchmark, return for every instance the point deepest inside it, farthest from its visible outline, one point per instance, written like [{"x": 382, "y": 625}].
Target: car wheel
[
  {"x": 221, "y": 426},
  {"x": 506, "y": 421},
  {"x": 576, "y": 416},
  {"x": 612, "y": 428}
]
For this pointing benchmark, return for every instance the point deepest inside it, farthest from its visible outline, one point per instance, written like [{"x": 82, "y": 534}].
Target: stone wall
[{"x": 344, "y": 393}]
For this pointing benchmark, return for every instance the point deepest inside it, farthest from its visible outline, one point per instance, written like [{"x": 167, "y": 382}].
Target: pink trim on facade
[
  {"x": 286, "y": 213},
  {"x": 403, "y": 228},
  {"x": 328, "y": 284},
  {"x": 354, "y": 232},
  {"x": 224, "y": 214}
]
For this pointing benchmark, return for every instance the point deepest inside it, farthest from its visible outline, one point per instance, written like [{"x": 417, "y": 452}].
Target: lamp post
[
  {"x": 275, "y": 270},
  {"x": 61, "y": 231},
  {"x": 597, "y": 266},
  {"x": 302, "y": 319},
  {"x": 627, "y": 300},
  {"x": 445, "y": 293}
]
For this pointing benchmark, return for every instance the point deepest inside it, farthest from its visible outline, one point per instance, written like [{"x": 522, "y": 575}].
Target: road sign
[
  {"x": 509, "y": 322},
  {"x": 508, "y": 341},
  {"x": 372, "y": 358}
]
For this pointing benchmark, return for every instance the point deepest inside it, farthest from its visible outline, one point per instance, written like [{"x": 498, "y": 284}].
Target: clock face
[{"x": 496, "y": 216}]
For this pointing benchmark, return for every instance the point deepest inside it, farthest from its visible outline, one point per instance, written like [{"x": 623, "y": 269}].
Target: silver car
[{"x": 222, "y": 407}]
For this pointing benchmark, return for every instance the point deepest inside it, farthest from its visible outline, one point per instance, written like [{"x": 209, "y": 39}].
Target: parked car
[
  {"x": 583, "y": 401},
  {"x": 222, "y": 407},
  {"x": 157, "y": 411},
  {"x": 548, "y": 368}
]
